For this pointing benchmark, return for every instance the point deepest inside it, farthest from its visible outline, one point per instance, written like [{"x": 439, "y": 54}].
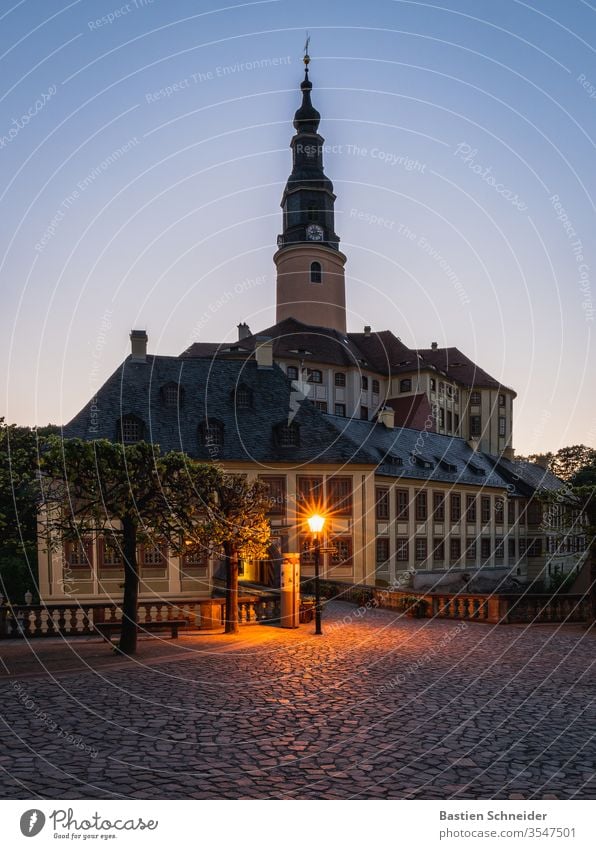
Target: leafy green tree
[
  {"x": 128, "y": 493},
  {"x": 237, "y": 524},
  {"x": 567, "y": 462}
]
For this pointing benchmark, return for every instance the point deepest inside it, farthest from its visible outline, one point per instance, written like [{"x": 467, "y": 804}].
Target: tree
[
  {"x": 237, "y": 524},
  {"x": 567, "y": 462},
  {"x": 128, "y": 493}
]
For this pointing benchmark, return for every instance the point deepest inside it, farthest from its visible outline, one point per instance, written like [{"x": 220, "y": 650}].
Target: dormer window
[
  {"x": 316, "y": 272},
  {"x": 287, "y": 435},
  {"x": 243, "y": 397},
  {"x": 211, "y": 433},
  {"x": 131, "y": 429},
  {"x": 172, "y": 394},
  {"x": 421, "y": 462}
]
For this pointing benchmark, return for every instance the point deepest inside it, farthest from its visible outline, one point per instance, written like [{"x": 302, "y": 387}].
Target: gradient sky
[{"x": 422, "y": 104}]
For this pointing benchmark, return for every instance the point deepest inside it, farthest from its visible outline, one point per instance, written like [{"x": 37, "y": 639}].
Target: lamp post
[{"x": 316, "y": 524}]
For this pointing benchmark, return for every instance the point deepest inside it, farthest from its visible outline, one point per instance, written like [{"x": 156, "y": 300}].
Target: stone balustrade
[{"x": 78, "y": 619}]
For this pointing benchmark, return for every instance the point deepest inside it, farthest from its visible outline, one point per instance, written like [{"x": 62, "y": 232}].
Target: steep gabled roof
[{"x": 458, "y": 367}]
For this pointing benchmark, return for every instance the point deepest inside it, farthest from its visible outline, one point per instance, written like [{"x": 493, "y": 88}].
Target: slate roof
[
  {"x": 528, "y": 476},
  {"x": 382, "y": 352},
  {"x": 208, "y": 389}
]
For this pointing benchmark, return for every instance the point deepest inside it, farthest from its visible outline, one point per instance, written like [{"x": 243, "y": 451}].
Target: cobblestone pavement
[{"x": 379, "y": 707}]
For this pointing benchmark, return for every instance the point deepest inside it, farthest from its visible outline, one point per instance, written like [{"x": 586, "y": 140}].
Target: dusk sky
[{"x": 145, "y": 146}]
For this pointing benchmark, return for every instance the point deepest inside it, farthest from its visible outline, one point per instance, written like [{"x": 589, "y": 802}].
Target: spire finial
[{"x": 306, "y": 58}]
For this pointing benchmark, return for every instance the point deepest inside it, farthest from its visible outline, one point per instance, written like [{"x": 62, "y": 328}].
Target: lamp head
[{"x": 316, "y": 523}]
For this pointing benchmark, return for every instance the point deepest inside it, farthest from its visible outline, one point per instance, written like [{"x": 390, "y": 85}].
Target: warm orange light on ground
[{"x": 316, "y": 523}]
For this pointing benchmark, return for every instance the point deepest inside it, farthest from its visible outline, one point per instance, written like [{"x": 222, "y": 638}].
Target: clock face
[{"x": 314, "y": 232}]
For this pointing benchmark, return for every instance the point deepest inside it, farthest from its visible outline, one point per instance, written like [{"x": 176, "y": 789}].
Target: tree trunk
[
  {"x": 231, "y": 557},
  {"x": 128, "y": 634}
]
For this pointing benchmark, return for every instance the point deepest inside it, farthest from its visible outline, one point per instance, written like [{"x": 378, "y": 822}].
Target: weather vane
[{"x": 306, "y": 56}]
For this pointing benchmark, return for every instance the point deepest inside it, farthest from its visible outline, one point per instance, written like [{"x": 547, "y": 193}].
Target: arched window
[
  {"x": 130, "y": 429},
  {"x": 340, "y": 378},
  {"x": 313, "y": 213},
  {"x": 316, "y": 272},
  {"x": 211, "y": 433},
  {"x": 243, "y": 397}
]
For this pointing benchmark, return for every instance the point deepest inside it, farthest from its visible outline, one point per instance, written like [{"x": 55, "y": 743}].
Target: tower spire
[{"x": 310, "y": 276}]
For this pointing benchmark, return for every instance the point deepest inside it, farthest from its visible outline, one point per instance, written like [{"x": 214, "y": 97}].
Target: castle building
[{"x": 410, "y": 449}]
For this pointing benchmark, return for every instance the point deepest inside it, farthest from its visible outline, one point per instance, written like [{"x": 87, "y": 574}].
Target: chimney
[
  {"x": 367, "y": 330},
  {"x": 264, "y": 352},
  {"x": 243, "y": 331},
  {"x": 542, "y": 460},
  {"x": 434, "y": 346},
  {"x": 386, "y": 416},
  {"x": 138, "y": 346},
  {"x": 509, "y": 453},
  {"x": 473, "y": 443}
]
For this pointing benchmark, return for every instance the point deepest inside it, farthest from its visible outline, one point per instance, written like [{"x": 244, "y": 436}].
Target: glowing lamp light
[{"x": 316, "y": 523}]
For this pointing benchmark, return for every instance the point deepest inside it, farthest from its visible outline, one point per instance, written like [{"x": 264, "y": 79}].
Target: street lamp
[{"x": 316, "y": 523}]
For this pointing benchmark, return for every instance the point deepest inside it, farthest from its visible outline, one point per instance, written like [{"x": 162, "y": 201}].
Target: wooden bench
[{"x": 106, "y": 629}]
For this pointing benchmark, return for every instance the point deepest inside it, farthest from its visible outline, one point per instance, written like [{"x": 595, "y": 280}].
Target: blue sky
[{"x": 145, "y": 146}]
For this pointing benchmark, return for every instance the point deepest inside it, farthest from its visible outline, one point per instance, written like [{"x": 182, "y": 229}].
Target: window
[
  {"x": 475, "y": 398},
  {"x": 455, "y": 508},
  {"x": 288, "y": 435},
  {"x": 449, "y": 391},
  {"x": 243, "y": 397},
  {"x": 310, "y": 490},
  {"x": 511, "y": 512},
  {"x": 501, "y": 400},
  {"x": 456, "y": 417},
  {"x": 522, "y": 546},
  {"x": 276, "y": 494},
  {"x": 439, "y": 506},
  {"x": 382, "y": 503},
  {"x": 438, "y": 550},
  {"x": 340, "y": 409},
  {"x": 441, "y": 388},
  {"x": 342, "y": 555},
  {"x": 535, "y": 515},
  {"x": 312, "y": 213},
  {"x": 403, "y": 503},
  {"x": 421, "y": 506},
  {"x": 172, "y": 394},
  {"x": 441, "y": 418},
  {"x": 195, "y": 562},
  {"x": 79, "y": 554},
  {"x": 471, "y": 549},
  {"x": 321, "y": 405},
  {"x": 475, "y": 426},
  {"x": 454, "y": 549},
  {"x": 471, "y": 508},
  {"x": 405, "y": 385},
  {"x": 364, "y": 382},
  {"x": 535, "y": 547},
  {"x": 292, "y": 372},
  {"x": 212, "y": 433},
  {"x": 485, "y": 509},
  {"x": 316, "y": 272},
  {"x": 340, "y": 378},
  {"x": 375, "y": 387},
  {"x": 315, "y": 376},
  {"x": 499, "y": 548},
  {"x": 402, "y": 550},
  {"x": 131, "y": 429},
  {"x": 382, "y": 550},
  {"x": 502, "y": 425},
  {"x": 339, "y": 496},
  {"x": 449, "y": 421},
  {"x": 511, "y": 547},
  {"x": 364, "y": 413},
  {"x": 485, "y": 548},
  {"x": 420, "y": 549},
  {"x": 110, "y": 553},
  {"x": 499, "y": 511},
  {"x": 153, "y": 554}
]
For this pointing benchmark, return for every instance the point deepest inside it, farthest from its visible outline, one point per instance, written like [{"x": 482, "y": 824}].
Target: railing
[
  {"x": 490, "y": 608},
  {"x": 79, "y": 619}
]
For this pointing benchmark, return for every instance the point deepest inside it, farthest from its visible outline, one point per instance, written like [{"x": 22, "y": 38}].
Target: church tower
[{"x": 310, "y": 266}]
